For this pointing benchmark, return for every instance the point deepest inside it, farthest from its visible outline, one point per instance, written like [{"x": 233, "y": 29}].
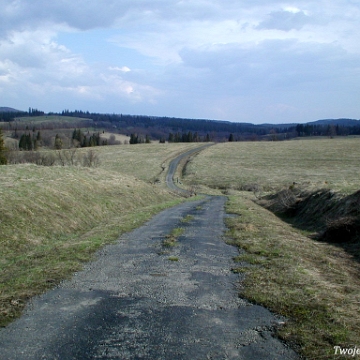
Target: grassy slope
[
  {"x": 316, "y": 285},
  {"x": 147, "y": 165},
  {"x": 52, "y": 219}
]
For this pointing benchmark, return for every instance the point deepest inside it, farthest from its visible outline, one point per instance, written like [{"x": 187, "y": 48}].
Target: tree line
[
  {"x": 178, "y": 129},
  {"x": 32, "y": 141}
]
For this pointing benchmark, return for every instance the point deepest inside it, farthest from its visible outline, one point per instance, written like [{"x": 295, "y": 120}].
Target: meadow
[
  {"x": 36, "y": 120},
  {"x": 314, "y": 284},
  {"x": 271, "y": 166}
]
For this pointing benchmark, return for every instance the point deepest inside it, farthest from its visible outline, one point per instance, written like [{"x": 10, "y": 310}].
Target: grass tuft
[
  {"x": 171, "y": 239},
  {"x": 173, "y": 258},
  {"x": 187, "y": 219}
]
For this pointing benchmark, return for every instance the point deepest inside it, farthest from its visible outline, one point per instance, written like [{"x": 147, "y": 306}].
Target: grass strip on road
[{"x": 314, "y": 285}]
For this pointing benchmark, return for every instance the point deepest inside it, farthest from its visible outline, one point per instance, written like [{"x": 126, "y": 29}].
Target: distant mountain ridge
[
  {"x": 340, "y": 122},
  {"x": 9, "y": 109}
]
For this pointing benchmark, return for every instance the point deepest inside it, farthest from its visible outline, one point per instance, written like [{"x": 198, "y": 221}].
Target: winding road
[{"x": 142, "y": 300}]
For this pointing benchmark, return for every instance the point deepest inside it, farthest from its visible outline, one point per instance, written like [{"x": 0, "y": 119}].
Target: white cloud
[
  {"x": 275, "y": 64},
  {"x": 286, "y": 20},
  {"x": 124, "y": 69},
  {"x": 181, "y": 56}
]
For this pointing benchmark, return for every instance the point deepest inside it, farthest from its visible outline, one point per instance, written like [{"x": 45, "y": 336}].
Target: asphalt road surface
[{"x": 142, "y": 300}]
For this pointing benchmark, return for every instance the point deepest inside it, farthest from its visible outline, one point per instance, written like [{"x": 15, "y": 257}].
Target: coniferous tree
[
  {"x": 3, "y": 160},
  {"x": 85, "y": 142},
  {"x": 29, "y": 142},
  {"x": 22, "y": 142},
  {"x": 26, "y": 142},
  {"x": 74, "y": 135},
  {"x": 134, "y": 139}
]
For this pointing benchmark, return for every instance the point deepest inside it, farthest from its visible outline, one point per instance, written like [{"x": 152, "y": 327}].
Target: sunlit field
[{"x": 318, "y": 163}]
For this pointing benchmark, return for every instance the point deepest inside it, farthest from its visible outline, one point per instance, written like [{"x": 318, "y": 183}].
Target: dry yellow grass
[
  {"x": 118, "y": 137},
  {"x": 147, "y": 162},
  {"x": 315, "y": 285},
  {"x": 52, "y": 219},
  {"x": 272, "y": 165}
]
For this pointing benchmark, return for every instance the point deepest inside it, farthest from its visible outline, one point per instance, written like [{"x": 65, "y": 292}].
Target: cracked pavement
[{"x": 134, "y": 302}]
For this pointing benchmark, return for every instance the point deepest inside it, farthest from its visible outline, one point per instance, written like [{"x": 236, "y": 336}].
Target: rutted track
[
  {"x": 175, "y": 163},
  {"x": 133, "y": 302}
]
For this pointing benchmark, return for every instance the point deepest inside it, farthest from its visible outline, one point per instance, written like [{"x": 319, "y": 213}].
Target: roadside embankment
[
  {"x": 314, "y": 284},
  {"x": 333, "y": 217},
  {"x": 53, "y": 219}
]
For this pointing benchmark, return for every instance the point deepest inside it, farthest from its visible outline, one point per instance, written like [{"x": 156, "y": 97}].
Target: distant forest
[{"x": 191, "y": 130}]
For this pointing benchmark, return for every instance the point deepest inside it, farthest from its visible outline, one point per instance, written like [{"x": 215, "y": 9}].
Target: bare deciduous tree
[{"x": 91, "y": 159}]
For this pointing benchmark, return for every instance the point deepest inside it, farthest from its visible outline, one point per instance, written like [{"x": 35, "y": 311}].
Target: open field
[
  {"x": 330, "y": 163},
  {"x": 314, "y": 284},
  {"x": 118, "y": 137},
  {"x": 148, "y": 165},
  {"x": 54, "y": 218},
  {"x": 50, "y": 118}
]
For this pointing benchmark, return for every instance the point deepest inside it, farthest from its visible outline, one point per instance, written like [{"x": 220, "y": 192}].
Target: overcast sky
[{"x": 239, "y": 60}]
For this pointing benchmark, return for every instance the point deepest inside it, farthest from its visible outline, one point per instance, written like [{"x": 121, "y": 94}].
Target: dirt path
[
  {"x": 175, "y": 163},
  {"x": 141, "y": 300}
]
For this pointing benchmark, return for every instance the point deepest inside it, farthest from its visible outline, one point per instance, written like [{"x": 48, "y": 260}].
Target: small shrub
[{"x": 91, "y": 159}]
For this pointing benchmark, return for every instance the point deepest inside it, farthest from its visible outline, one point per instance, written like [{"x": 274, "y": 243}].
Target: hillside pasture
[
  {"x": 124, "y": 139},
  {"x": 148, "y": 162},
  {"x": 35, "y": 120},
  {"x": 271, "y": 166}
]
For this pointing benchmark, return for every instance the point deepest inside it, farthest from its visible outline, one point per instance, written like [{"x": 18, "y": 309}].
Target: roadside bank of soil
[{"x": 330, "y": 216}]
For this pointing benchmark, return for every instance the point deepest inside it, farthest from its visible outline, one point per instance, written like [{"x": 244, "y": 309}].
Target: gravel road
[{"x": 142, "y": 300}]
